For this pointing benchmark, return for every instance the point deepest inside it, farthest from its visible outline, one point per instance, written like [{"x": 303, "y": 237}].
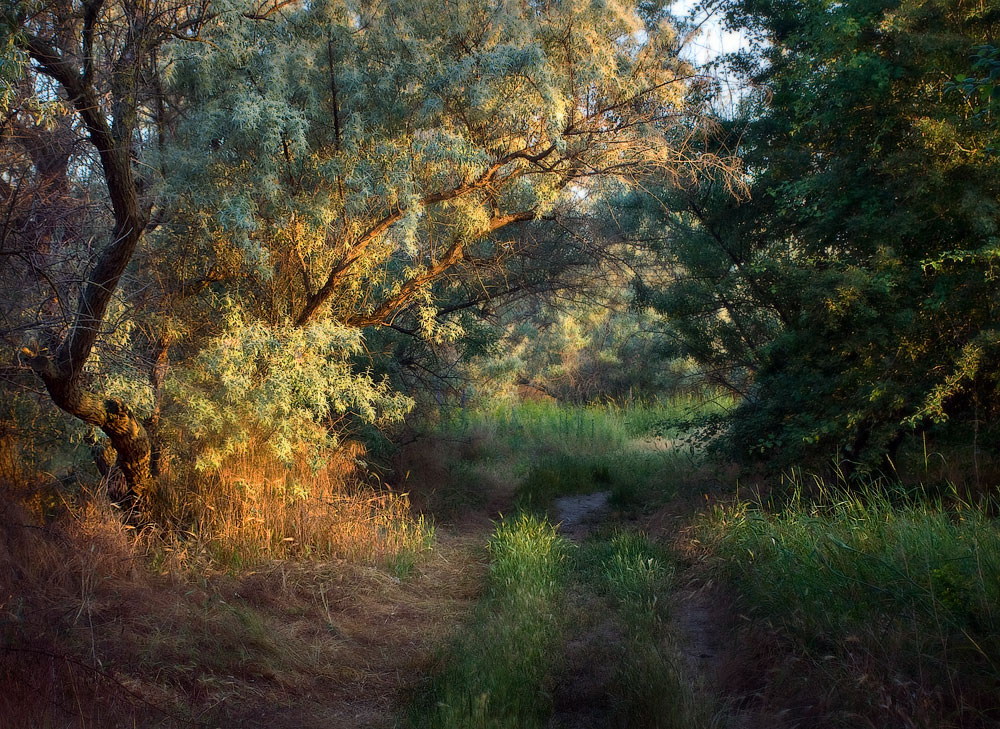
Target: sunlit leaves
[{"x": 289, "y": 385}]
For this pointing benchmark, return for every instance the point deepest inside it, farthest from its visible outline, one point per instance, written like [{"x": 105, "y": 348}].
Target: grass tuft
[
  {"x": 901, "y": 590},
  {"x": 498, "y": 668}
]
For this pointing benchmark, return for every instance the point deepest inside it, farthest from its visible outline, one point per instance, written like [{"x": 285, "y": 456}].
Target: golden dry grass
[
  {"x": 261, "y": 594},
  {"x": 256, "y": 508},
  {"x": 92, "y": 637}
]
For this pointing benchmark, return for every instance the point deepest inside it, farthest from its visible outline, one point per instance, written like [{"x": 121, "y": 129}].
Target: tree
[
  {"x": 296, "y": 164},
  {"x": 854, "y": 286},
  {"x": 385, "y": 169},
  {"x": 354, "y": 158},
  {"x": 98, "y": 56}
]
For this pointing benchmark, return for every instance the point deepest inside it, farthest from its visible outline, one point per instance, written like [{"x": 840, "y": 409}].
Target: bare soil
[{"x": 579, "y": 514}]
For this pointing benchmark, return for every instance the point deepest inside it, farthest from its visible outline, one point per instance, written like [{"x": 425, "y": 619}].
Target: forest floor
[
  {"x": 583, "y": 574},
  {"x": 670, "y": 659}
]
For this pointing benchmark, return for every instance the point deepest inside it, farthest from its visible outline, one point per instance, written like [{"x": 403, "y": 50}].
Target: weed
[
  {"x": 892, "y": 585},
  {"x": 649, "y": 687}
]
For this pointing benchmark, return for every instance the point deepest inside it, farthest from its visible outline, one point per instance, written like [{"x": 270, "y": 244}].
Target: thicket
[
  {"x": 239, "y": 228},
  {"x": 849, "y": 298}
]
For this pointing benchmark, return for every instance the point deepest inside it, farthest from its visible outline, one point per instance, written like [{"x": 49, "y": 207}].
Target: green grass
[
  {"x": 559, "y": 427},
  {"x": 887, "y": 583},
  {"x": 633, "y": 478},
  {"x": 497, "y": 669},
  {"x": 650, "y": 688},
  {"x": 551, "y": 450}
]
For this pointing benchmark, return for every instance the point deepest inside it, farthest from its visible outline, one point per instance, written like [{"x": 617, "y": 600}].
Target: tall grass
[
  {"x": 899, "y": 588},
  {"x": 540, "y": 424},
  {"x": 633, "y": 478},
  {"x": 497, "y": 670},
  {"x": 550, "y": 449},
  {"x": 256, "y": 508}
]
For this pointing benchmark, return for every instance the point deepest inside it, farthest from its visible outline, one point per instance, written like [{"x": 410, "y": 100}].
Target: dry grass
[
  {"x": 257, "y": 595},
  {"x": 92, "y": 637},
  {"x": 256, "y": 508}
]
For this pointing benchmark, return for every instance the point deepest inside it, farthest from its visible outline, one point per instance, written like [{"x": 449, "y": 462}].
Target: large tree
[
  {"x": 349, "y": 157},
  {"x": 80, "y": 72},
  {"x": 853, "y": 292},
  {"x": 311, "y": 169}
]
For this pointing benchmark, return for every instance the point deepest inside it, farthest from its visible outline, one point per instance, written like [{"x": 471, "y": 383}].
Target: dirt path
[
  {"x": 582, "y": 692},
  {"x": 386, "y": 634},
  {"x": 578, "y": 514},
  {"x": 699, "y": 627},
  {"x": 581, "y": 695}
]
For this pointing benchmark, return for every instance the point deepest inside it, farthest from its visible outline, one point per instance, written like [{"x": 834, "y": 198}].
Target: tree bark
[
  {"x": 111, "y": 415},
  {"x": 62, "y": 371}
]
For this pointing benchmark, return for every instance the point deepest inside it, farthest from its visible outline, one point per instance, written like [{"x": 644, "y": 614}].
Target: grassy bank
[{"x": 886, "y": 606}]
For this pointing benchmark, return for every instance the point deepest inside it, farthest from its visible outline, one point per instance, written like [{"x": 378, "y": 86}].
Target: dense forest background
[{"x": 252, "y": 251}]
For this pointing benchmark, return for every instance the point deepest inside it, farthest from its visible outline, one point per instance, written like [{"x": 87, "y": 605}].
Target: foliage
[
  {"x": 290, "y": 385},
  {"x": 636, "y": 572},
  {"x": 346, "y": 161},
  {"x": 252, "y": 170},
  {"x": 851, "y": 298},
  {"x": 983, "y": 88}
]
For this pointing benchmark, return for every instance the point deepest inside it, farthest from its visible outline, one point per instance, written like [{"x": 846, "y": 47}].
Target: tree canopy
[
  {"x": 265, "y": 179},
  {"x": 850, "y": 299}
]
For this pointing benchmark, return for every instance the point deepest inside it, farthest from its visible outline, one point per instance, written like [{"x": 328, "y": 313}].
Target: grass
[
  {"x": 498, "y": 667},
  {"x": 893, "y": 600},
  {"x": 546, "y": 450},
  {"x": 256, "y": 509},
  {"x": 89, "y": 636},
  {"x": 238, "y": 598},
  {"x": 650, "y": 687},
  {"x": 634, "y": 478},
  {"x": 500, "y": 671},
  {"x": 544, "y": 424}
]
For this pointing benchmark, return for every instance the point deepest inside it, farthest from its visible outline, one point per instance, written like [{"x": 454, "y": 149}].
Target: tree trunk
[
  {"x": 111, "y": 133},
  {"x": 126, "y": 433}
]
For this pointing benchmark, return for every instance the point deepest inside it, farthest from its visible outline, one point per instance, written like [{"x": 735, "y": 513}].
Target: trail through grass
[
  {"x": 861, "y": 606},
  {"x": 523, "y": 652},
  {"x": 498, "y": 668},
  {"x": 565, "y": 625}
]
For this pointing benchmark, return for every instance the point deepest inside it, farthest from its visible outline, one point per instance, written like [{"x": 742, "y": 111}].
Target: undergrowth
[
  {"x": 208, "y": 604},
  {"x": 650, "y": 687},
  {"x": 255, "y": 508}
]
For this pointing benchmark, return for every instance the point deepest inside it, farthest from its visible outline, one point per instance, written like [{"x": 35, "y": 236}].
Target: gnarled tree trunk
[{"x": 69, "y": 58}]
